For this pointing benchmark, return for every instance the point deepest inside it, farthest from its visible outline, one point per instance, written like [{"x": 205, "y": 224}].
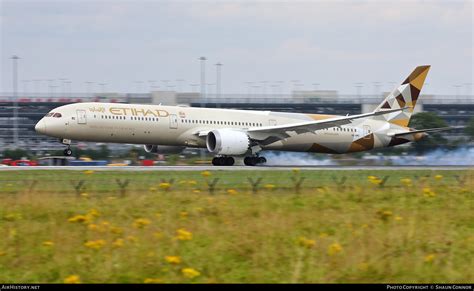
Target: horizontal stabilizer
[{"x": 424, "y": 130}]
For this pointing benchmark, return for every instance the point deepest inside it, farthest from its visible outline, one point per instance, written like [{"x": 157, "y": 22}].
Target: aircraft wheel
[
  {"x": 250, "y": 161},
  {"x": 68, "y": 152},
  {"x": 262, "y": 160},
  {"x": 229, "y": 161},
  {"x": 215, "y": 161}
]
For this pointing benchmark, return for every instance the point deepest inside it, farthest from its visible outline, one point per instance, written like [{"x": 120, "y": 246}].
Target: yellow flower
[
  {"x": 173, "y": 259},
  {"x": 12, "y": 216},
  {"x": 79, "y": 218},
  {"x": 88, "y": 172},
  {"x": 398, "y": 218},
  {"x": 152, "y": 189},
  {"x": 190, "y": 273},
  {"x": 141, "y": 222},
  {"x": 384, "y": 214},
  {"x": 323, "y": 235},
  {"x": 48, "y": 243},
  {"x": 93, "y": 227},
  {"x": 269, "y": 186},
  {"x": 116, "y": 230},
  {"x": 427, "y": 192},
  {"x": 430, "y": 258},
  {"x": 334, "y": 249},
  {"x": 321, "y": 190},
  {"x": 84, "y": 195},
  {"x": 94, "y": 212},
  {"x": 165, "y": 186},
  {"x": 439, "y": 177},
  {"x": 118, "y": 243},
  {"x": 132, "y": 239},
  {"x": 12, "y": 233},
  {"x": 183, "y": 234},
  {"x": 72, "y": 279},
  {"x": 295, "y": 170},
  {"x": 95, "y": 244},
  {"x": 231, "y": 191},
  {"x": 206, "y": 174},
  {"x": 183, "y": 214},
  {"x": 192, "y": 182},
  {"x": 406, "y": 182},
  {"x": 307, "y": 243},
  {"x": 196, "y": 191},
  {"x": 374, "y": 180},
  {"x": 153, "y": 281}
]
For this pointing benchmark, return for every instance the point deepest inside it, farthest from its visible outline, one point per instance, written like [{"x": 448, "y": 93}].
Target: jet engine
[
  {"x": 227, "y": 142},
  {"x": 163, "y": 149}
]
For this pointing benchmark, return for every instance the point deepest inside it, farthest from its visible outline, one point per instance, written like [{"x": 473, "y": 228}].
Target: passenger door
[
  {"x": 366, "y": 131},
  {"x": 173, "y": 121},
  {"x": 81, "y": 116}
]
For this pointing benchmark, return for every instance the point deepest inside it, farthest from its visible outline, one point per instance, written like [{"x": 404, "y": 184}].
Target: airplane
[{"x": 228, "y": 133}]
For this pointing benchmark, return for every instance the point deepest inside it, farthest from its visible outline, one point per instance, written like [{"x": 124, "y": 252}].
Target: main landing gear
[
  {"x": 67, "y": 151},
  {"x": 223, "y": 161},
  {"x": 253, "y": 161}
]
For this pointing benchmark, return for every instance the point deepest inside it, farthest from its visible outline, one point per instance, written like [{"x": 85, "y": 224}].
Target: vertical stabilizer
[{"x": 405, "y": 95}]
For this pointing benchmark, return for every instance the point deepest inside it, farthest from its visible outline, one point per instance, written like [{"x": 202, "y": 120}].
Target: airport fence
[{"x": 102, "y": 184}]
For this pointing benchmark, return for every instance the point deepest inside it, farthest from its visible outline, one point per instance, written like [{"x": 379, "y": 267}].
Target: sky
[{"x": 288, "y": 45}]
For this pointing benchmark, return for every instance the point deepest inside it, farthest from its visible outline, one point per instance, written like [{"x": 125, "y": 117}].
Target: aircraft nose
[{"x": 40, "y": 127}]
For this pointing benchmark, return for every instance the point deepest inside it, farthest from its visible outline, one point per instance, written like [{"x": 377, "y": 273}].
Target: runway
[{"x": 237, "y": 168}]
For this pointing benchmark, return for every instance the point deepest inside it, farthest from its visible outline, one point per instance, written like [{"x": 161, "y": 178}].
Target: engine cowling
[
  {"x": 227, "y": 142},
  {"x": 163, "y": 149}
]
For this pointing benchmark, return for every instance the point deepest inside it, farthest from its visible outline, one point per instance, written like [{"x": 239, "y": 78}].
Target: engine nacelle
[
  {"x": 227, "y": 142},
  {"x": 163, "y": 149}
]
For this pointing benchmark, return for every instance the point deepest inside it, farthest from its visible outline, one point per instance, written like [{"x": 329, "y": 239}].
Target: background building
[{"x": 456, "y": 110}]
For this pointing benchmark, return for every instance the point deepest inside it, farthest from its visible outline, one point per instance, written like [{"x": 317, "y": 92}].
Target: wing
[{"x": 270, "y": 134}]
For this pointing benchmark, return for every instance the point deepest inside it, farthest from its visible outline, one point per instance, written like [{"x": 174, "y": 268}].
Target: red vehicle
[
  {"x": 11, "y": 162},
  {"x": 147, "y": 162}
]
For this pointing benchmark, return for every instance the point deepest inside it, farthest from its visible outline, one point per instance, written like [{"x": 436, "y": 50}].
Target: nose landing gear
[{"x": 67, "y": 152}]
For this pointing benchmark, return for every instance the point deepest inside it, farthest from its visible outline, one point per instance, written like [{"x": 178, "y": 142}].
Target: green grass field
[{"x": 292, "y": 226}]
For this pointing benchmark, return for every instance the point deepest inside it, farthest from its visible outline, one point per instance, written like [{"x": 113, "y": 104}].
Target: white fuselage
[{"x": 181, "y": 126}]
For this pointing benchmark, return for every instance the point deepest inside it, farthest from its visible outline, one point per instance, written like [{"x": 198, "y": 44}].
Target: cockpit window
[
  {"x": 49, "y": 114},
  {"x": 57, "y": 115}
]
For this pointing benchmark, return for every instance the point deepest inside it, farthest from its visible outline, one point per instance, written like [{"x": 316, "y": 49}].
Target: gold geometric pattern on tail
[
  {"x": 418, "y": 76},
  {"x": 416, "y": 80},
  {"x": 405, "y": 95}
]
